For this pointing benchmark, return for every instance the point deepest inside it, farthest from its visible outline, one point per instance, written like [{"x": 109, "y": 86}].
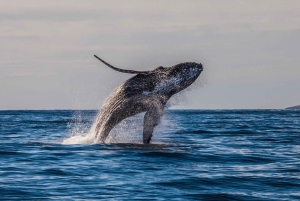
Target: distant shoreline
[{"x": 293, "y": 108}]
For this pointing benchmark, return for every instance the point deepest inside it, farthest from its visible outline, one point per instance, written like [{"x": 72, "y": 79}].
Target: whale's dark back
[{"x": 139, "y": 84}]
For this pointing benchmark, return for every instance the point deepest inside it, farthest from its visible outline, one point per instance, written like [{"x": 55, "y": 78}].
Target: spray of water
[
  {"x": 180, "y": 99},
  {"x": 127, "y": 131},
  {"x": 79, "y": 130}
]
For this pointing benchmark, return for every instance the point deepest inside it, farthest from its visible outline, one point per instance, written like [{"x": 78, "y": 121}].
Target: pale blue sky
[{"x": 249, "y": 49}]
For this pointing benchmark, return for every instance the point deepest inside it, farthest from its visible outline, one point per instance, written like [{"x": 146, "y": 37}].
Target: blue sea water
[{"x": 194, "y": 155}]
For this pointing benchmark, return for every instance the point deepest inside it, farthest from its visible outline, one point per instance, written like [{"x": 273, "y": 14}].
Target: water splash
[
  {"x": 79, "y": 128},
  {"x": 129, "y": 130},
  {"x": 180, "y": 99},
  {"x": 80, "y": 139}
]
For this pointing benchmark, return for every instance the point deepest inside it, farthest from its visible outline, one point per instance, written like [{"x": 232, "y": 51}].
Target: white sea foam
[{"x": 80, "y": 139}]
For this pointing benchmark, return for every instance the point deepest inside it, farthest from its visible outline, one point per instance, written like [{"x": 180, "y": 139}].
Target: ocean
[{"x": 193, "y": 155}]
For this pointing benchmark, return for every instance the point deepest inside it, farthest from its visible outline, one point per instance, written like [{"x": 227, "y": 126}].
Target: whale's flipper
[
  {"x": 122, "y": 70},
  {"x": 151, "y": 119}
]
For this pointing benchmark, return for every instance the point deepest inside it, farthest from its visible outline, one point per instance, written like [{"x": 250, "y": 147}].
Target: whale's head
[{"x": 176, "y": 78}]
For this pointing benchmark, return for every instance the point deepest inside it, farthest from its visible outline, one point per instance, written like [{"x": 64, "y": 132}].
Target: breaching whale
[{"x": 147, "y": 91}]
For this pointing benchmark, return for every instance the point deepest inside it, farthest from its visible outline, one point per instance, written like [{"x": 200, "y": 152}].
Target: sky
[{"x": 249, "y": 50}]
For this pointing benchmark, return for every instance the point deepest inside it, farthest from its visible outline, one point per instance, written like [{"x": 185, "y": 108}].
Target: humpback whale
[{"x": 147, "y": 91}]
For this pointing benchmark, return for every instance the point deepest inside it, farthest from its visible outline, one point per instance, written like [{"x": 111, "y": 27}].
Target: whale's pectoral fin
[{"x": 151, "y": 119}]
